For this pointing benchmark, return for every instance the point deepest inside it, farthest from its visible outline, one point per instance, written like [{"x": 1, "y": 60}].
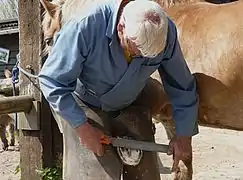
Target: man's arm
[
  {"x": 59, "y": 73},
  {"x": 180, "y": 86}
]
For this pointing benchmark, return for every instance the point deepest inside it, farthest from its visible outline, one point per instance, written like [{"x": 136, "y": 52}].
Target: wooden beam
[{"x": 16, "y": 104}]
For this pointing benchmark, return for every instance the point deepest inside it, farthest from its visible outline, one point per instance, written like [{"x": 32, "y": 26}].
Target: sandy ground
[
  {"x": 9, "y": 160},
  {"x": 218, "y": 154}
]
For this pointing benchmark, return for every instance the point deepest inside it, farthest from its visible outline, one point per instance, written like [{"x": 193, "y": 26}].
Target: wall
[{"x": 11, "y": 42}]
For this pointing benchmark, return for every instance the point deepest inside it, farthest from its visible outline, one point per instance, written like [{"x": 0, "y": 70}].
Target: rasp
[{"x": 135, "y": 144}]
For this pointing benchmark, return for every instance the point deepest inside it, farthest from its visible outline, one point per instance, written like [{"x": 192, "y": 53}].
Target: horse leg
[
  {"x": 169, "y": 129},
  {"x": 136, "y": 122},
  {"x": 3, "y": 136},
  {"x": 167, "y": 123},
  {"x": 185, "y": 169},
  {"x": 11, "y": 133},
  {"x": 153, "y": 98}
]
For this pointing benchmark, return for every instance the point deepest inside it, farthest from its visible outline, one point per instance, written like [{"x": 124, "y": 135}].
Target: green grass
[{"x": 54, "y": 173}]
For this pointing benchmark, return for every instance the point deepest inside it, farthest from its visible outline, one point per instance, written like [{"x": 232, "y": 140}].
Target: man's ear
[
  {"x": 49, "y": 7},
  {"x": 120, "y": 28}
]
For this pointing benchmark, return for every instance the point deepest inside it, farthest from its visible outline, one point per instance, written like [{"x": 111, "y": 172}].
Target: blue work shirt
[{"x": 87, "y": 51}]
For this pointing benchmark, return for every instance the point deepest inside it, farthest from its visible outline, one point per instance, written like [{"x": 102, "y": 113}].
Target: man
[{"x": 112, "y": 51}]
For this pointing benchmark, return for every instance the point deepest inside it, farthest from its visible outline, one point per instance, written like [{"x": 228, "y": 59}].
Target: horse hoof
[
  {"x": 16, "y": 148},
  {"x": 182, "y": 173},
  {"x": 5, "y": 148},
  {"x": 131, "y": 157}
]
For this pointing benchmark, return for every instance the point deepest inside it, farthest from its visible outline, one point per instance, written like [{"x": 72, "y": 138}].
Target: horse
[
  {"x": 212, "y": 50},
  {"x": 213, "y": 60},
  {"x": 6, "y": 124},
  {"x": 53, "y": 13},
  {"x": 172, "y": 3}
]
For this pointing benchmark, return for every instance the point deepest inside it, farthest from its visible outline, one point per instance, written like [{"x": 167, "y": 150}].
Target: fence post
[{"x": 36, "y": 145}]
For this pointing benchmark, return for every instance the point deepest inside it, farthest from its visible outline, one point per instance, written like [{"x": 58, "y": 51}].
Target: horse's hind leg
[
  {"x": 11, "y": 134},
  {"x": 185, "y": 169},
  {"x": 3, "y": 136},
  {"x": 168, "y": 124}
]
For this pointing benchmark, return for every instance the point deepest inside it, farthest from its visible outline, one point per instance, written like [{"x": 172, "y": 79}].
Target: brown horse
[
  {"x": 213, "y": 51},
  {"x": 171, "y": 3},
  {"x": 53, "y": 12},
  {"x": 6, "y": 123}
]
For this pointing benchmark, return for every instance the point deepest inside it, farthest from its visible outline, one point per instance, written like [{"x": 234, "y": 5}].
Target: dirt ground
[
  {"x": 218, "y": 154},
  {"x": 9, "y": 160}
]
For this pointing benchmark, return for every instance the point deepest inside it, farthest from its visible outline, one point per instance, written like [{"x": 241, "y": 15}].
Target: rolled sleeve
[
  {"x": 180, "y": 86},
  {"x": 58, "y": 76}
]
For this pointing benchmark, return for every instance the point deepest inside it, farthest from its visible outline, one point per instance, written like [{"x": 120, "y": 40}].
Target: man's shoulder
[
  {"x": 96, "y": 16},
  {"x": 98, "y": 9},
  {"x": 94, "y": 12},
  {"x": 105, "y": 5},
  {"x": 172, "y": 26}
]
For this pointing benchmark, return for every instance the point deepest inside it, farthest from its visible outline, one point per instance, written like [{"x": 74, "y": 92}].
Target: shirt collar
[{"x": 111, "y": 27}]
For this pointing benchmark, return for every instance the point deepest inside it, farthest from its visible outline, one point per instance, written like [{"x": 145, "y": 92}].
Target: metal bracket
[{"x": 30, "y": 120}]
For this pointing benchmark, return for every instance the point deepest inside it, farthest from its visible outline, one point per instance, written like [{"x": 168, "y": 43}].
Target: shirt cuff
[{"x": 183, "y": 130}]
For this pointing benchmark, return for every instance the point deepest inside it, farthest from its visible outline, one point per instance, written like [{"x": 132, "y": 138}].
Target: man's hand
[
  {"x": 90, "y": 137},
  {"x": 181, "y": 149}
]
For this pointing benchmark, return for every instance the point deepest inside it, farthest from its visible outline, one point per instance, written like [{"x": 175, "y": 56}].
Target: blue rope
[
  {"x": 15, "y": 79},
  {"x": 15, "y": 75}
]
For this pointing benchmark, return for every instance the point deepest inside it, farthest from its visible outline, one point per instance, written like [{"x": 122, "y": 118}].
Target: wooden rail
[
  {"x": 6, "y": 87},
  {"x": 15, "y": 104}
]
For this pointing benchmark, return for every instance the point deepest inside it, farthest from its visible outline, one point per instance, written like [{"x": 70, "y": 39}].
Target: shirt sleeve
[
  {"x": 180, "y": 86},
  {"x": 58, "y": 76}
]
